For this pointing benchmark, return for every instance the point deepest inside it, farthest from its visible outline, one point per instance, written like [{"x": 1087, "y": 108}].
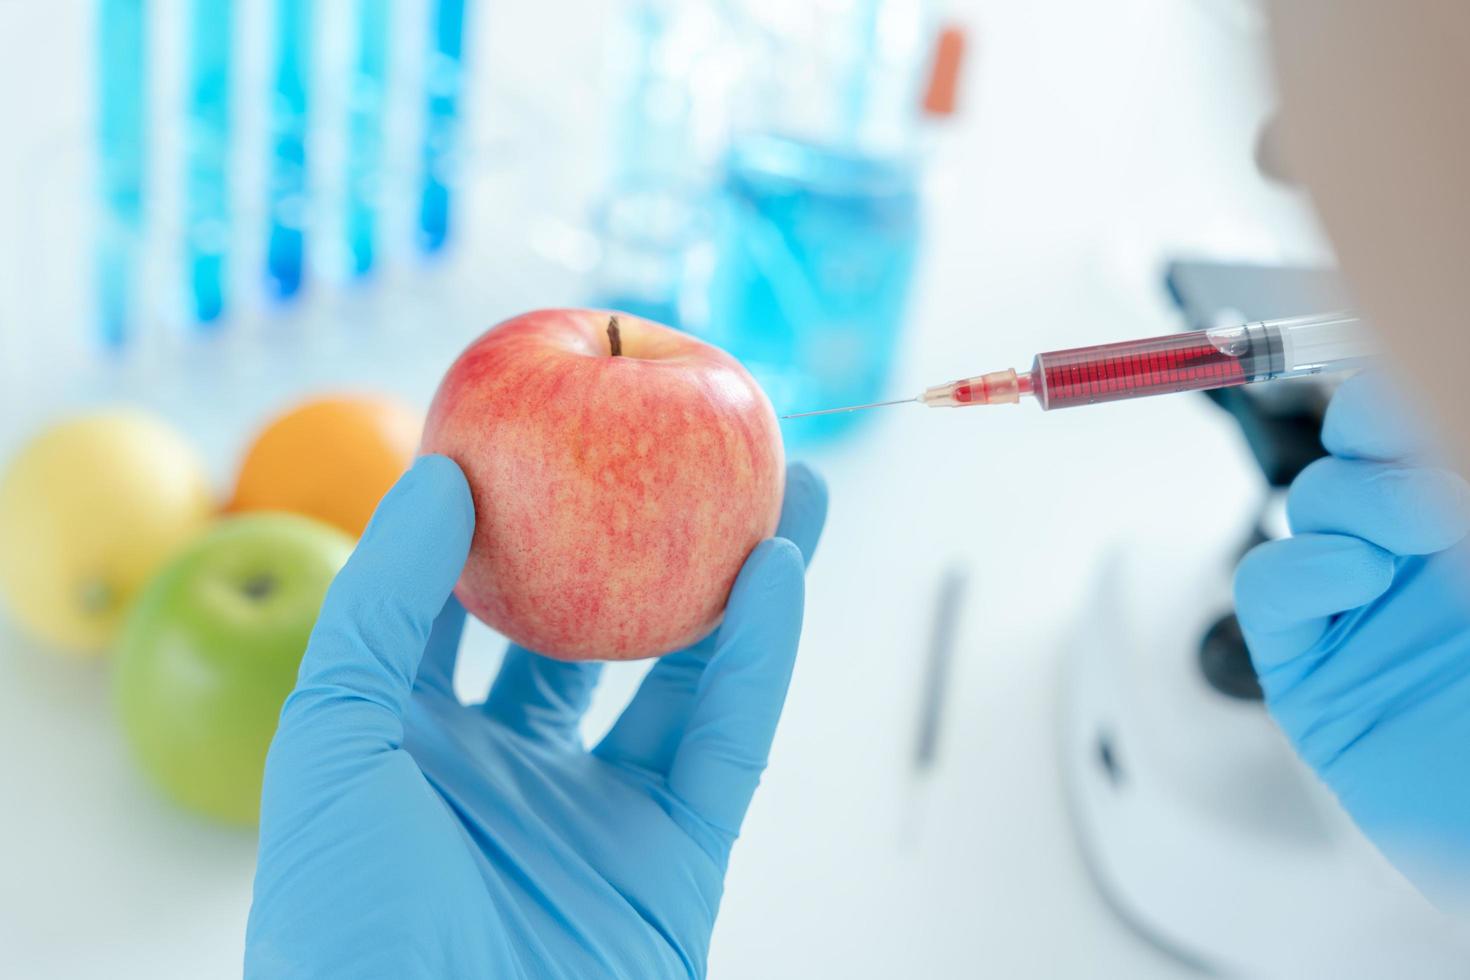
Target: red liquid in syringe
[{"x": 1155, "y": 366}]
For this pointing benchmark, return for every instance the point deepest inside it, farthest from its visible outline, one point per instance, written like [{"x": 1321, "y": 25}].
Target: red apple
[{"x": 621, "y": 471}]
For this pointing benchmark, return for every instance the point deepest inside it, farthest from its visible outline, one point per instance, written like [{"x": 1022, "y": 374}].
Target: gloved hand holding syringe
[{"x": 1221, "y": 357}]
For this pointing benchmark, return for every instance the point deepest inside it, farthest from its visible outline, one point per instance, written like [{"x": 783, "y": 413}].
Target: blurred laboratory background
[{"x": 240, "y": 240}]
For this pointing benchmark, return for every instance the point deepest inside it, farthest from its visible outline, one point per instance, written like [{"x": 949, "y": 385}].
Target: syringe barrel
[
  {"x": 1309, "y": 344},
  {"x": 1199, "y": 360}
]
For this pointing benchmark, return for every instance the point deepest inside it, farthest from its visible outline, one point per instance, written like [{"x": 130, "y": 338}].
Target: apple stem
[{"x": 614, "y": 338}]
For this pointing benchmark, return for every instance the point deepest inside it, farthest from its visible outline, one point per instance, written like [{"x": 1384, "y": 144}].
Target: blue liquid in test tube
[
  {"x": 365, "y": 133},
  {"x": 445, "y": 71},
  {"x": 121, "y": 133},
  {"x": 817, "y": 247},
  {"x": 288, "y": 197},
  {"x": 206, "y": 204}
]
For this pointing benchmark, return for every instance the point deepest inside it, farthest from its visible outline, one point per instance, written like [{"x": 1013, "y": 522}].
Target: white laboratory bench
[{"x": 1096, "y": 140}]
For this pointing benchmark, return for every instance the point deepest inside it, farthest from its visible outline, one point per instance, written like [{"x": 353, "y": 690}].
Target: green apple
[
  {"x": 89, "y": 509},
  {"x": 210, "y": 650}
]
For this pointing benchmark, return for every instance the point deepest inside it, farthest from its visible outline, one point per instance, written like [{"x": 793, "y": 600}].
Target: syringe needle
[{"x": 850, "y": 408}]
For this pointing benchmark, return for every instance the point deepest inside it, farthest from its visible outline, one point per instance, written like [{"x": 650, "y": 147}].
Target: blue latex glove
[
  {"x": 1359, "y": 626},
  {"x": 404, "y": 834}
]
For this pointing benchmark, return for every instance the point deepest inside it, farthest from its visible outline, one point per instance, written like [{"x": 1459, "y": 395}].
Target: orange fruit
[{"x": 329, "y": 458}]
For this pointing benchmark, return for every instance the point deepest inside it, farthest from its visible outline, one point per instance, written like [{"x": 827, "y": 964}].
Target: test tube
[
  {"x": 365, "y": 133},
  {"x": 444, "y": 76},
  {"x": 206, "y": 205},
  {"x": 288, "y": 204},
  {"x": 121, "y": 134}
]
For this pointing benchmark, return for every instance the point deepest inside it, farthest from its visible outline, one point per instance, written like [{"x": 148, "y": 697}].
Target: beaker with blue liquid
[
  {"x": 815, "y": 249},
  {"x": 817, "y": 213}
]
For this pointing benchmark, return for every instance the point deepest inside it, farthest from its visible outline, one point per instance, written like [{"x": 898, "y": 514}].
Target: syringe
[{"x": 1202, "y": 359}]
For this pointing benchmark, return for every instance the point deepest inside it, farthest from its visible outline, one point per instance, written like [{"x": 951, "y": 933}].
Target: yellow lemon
[{"x": 89, "y": 508}]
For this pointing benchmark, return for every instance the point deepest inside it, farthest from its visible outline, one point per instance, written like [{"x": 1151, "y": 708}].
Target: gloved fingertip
[
  {"x": 801, "y": 473},
  {"x": 1451, "y": 501},
  {"x": 775, "y": 562},
  {"x": 540, "y": 697},
  {"x": 1369, "y": 417},
  {"x": 764, "y": 614},
  {"x": 409, "y": 558},
  {"x": 1281, "y": 584},
  {"x": 1406, "y": 509},
  {"x": 1429, "y": 508},
  {"x": 441, "y": 478},
  {"x": 430, "y": 503},
  {"x": 804, "y": 509}
]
